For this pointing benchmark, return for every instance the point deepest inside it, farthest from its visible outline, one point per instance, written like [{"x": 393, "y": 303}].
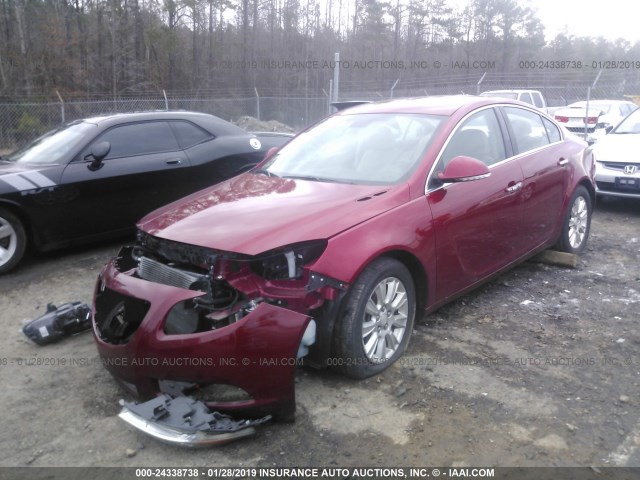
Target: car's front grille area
[
  {"x": 117, "y": 316},
  {"x": 613, "y": 187},
  {"x": 619, "y": 166},
  {"x": 157, "y": 272},
  {"x": 581, "y": 129}
]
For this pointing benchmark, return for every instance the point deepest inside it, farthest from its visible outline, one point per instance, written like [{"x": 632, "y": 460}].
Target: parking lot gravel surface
[{"x": 540, "y": 367}]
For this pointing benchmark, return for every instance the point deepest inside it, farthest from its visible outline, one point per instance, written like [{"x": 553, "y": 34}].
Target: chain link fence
[
  {"x": 22, "y": 121},
  {"x": 559, "y": 89}
]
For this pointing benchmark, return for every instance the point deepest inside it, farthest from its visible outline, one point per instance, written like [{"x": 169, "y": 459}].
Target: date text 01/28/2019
[{"x": 579, "y": 65}]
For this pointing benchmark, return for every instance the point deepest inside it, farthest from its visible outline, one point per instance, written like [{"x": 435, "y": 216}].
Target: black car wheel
[
  {"x": 378, "y": 319},
  {"x": 577, "y": 223},
  {"x": 12, "y": 240}
]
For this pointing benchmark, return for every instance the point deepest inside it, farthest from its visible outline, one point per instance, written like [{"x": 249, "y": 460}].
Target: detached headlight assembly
[{"x": 286, "y": 263}]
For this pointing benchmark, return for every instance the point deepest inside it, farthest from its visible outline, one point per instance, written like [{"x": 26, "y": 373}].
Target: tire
[
  {"x": 375, "y": 331},
  {"x": 577, "y": 223},
  {"x": 12, "y": 240}
]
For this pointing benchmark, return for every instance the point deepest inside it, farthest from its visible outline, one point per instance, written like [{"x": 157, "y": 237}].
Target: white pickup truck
[{"x": 532, "y": 97}]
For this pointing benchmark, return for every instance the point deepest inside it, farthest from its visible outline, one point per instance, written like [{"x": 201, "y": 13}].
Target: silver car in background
[{"x": 617, "y": 160}]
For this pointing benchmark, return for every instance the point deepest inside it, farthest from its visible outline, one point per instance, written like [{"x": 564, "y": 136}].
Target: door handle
[
  {"x": 174, "y": 161},
  {"x": 514, "y": 188},
  {"x": 562, "y": 162}
]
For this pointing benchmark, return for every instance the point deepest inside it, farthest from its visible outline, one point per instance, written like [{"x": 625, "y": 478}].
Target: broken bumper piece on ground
[
  {"x": 186, "y": 422},
  {"x": 59, "y": 322}
]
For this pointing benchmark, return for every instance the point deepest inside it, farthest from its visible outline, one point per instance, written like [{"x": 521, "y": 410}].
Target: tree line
[{"x": 127, "y": 47}]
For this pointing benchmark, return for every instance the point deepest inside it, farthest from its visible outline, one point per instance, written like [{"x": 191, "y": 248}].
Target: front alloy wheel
[
  {"x": 377, "y": 320},
  {"x": 385, "y": 320},
  {"x": 12, "y": 240}
]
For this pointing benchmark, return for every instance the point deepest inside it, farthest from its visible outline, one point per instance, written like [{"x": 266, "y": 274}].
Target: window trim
[
  {"x": 512, "y": 136},
  {"x": 177, "y": 137},
  {"x": 126, "y": 124},
  {"x": 453, "y": 132},
  {"x": 506, "y": 138}
]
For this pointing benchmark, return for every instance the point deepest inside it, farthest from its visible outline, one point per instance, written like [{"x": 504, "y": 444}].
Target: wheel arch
[
  {"x": 590, "y": 188},
  {"x": 328, "y": 316},
  {"x": 19, "y": 212},
  {"x": 417, "y": 273}
]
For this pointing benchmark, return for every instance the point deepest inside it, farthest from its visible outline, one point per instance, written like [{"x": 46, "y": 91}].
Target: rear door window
[
  {"x": 189, "y": 134},
  {"x": 528, "y": 130}
]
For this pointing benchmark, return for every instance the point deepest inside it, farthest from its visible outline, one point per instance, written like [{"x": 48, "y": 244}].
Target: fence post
[
  {"x": 393, "y": 88},
  {"x": 478, "y": 85},
  {"x": 257, "y": 103},
  {"x": 61, "y": 106},
  {"x": 328, "y": 95},
  {"x": 336, "y": 76},
  {"x": 586, "y": 114},
  {"x": 166, "y": 102}
]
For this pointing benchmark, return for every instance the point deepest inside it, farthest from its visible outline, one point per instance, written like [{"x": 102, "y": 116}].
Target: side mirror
[
  {"x": 464, "y": 169},
  {"x": 608, "y": 128},
  {"x": 98, "y": 152}
]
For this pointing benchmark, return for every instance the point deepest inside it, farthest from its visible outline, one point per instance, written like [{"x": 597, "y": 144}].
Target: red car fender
[{"x": 348, "y": 253}]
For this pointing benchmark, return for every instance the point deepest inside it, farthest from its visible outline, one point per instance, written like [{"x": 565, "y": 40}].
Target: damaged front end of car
[{"x": 174, "y": 318}]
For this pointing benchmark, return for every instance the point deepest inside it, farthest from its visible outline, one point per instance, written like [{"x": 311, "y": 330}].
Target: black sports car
[{"x": 94, "y": 178}]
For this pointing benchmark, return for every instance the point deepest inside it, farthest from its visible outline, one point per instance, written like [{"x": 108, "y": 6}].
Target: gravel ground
[{"x": 540, "y": 367}]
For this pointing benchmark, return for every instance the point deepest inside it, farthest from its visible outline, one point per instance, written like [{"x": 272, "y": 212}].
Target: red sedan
[{"x": 330, "y": 248}]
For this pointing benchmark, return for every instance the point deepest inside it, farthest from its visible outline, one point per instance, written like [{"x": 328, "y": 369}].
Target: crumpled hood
[
  {"x": 253, "y": 213},
  {"x": 617, "y": 148}
]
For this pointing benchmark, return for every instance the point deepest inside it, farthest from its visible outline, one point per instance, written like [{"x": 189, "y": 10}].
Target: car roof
[
  {"x": 435, "y": 105},
  {"x": 204, "y": 119},
  {"x": 514, "y": 90},
  {"x": 601, "y": 101}
]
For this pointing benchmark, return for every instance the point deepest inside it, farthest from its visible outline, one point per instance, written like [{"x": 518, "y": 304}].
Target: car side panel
[
  {"x": 221, "y": 158},
  {"x": 115, "y": 196},
  {"x": 407, "y": 228},
  {"x": 478, "y": 227},
  {"x": 545, "y": 181}
]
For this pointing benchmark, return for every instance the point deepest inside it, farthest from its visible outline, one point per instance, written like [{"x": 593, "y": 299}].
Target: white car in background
[
  {"x": 617, "y": 163},
  {"x": 602, "y": 116},
  {"x": 532, "y": 97}
]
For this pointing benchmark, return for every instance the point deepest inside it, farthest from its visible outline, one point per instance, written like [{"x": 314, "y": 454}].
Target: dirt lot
[{"x": 541, "y": 367}]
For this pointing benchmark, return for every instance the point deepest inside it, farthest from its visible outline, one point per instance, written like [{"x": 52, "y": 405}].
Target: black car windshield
[
  {"x": 631, "y": 124},
  {"x": 51, "y": 147},
  {"x": 359, "y": 148}
]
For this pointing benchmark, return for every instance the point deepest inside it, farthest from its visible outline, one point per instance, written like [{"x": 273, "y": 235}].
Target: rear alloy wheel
[
  {"x": 577, "y": 223},
  {"x": 12, "y": 240},
  {"x": 378, "y": 319}
]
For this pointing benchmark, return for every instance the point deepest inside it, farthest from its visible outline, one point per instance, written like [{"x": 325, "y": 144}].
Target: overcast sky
[{"x": 610, "y": 19}]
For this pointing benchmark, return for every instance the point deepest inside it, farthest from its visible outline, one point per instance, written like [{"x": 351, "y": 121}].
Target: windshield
[
  {"x": 53, "y": 145},
  {"x": 365, "y": 148},
  {"x": 631, "y": 124}
]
